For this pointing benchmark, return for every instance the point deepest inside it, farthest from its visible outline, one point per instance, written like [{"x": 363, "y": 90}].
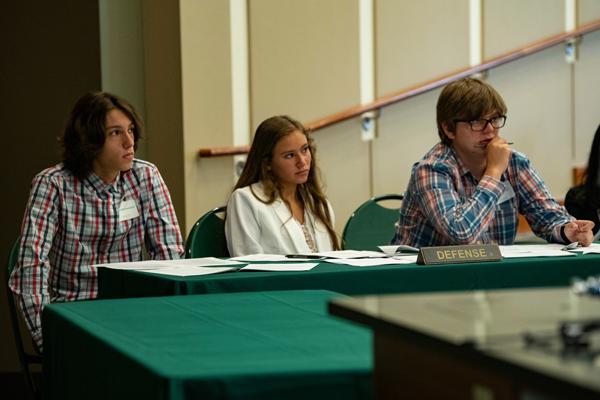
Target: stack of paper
[
  {"x": 534, "y": 250},
  {"x": 183, "y": 267}
]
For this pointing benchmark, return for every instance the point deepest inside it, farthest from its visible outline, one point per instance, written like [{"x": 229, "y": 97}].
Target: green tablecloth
[
  {"x": 259, "y": 345},
  {"x": 508, "y": 273}
]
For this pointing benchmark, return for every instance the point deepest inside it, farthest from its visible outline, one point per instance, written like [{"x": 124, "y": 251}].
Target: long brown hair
[
  {"x": 256, "y": 169},
  {"x": 84, "y": 134}
]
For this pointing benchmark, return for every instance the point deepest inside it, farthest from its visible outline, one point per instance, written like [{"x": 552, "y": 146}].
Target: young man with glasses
[{"x": 470, "y": 187}]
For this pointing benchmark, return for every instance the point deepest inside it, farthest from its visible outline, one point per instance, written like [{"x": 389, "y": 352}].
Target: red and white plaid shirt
[{"x": 72, "y": 224}]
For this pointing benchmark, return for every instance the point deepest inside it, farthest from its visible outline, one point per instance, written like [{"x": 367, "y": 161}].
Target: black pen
[{"x": 307, "y": 256}]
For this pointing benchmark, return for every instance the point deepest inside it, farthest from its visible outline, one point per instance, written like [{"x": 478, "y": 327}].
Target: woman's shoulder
[{"x": 250, "y": 193}]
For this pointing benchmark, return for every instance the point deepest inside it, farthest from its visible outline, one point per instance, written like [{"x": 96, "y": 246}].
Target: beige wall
[
  {"x": 207, "y": 110},
  {"x": 415, "y": 41},
  {"x": 588, "y": 10},
  {"x": 344, "y": 162},
  {"x": 303, "y": 57},
  {"x": 509, "y": 24}
]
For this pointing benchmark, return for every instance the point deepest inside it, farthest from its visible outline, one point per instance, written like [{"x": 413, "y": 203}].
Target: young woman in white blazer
[{"x": 278, "y": 205}]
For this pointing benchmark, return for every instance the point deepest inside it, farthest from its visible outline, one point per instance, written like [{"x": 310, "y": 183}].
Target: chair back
[
  {"x": 26, "y": 359},
  {"x": 207, "y": 236},
  {"x": 371, "y": 225}
]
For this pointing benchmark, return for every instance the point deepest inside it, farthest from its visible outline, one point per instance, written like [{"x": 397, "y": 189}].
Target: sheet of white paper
[
  {"x": 285, "y": 267},
  {"x": 261, "y": 257},
  {"x": 371, "y": 262},
  {"x": 203, "y": 262},
  {"x": 592, "y": 248},
  {"x": 189, "y": 270},
  {"x": 134, "y": 265},
  {"x": 390, "y": 250},
  {"x": 534, "y": 250},
  {"x": 159, "y": 264}
]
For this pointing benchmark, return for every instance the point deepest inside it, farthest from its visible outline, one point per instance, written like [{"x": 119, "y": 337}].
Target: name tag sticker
[
  {"x": 459, "y": 254},
  {"x": 128, "y": 210}
]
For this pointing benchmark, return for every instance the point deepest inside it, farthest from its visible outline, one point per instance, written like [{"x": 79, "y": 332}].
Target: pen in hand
[{"x": 307, "y": 256}]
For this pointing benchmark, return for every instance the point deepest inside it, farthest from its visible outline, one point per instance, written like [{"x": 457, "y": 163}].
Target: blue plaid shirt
[{"x": 444, "y": 203}]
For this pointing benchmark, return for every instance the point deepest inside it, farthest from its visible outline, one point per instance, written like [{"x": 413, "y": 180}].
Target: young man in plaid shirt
[
  {"x": 100, "y": 205},
  {"x": 470, "y": 187}
]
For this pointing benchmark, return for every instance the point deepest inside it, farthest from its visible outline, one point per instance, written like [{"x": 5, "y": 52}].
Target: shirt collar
[
  {"x": 450, "y": 153},
  {"x": 100, "y": 186}
]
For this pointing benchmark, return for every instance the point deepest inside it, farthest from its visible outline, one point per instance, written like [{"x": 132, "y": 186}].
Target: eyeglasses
[{"x": 479, "y": 125}]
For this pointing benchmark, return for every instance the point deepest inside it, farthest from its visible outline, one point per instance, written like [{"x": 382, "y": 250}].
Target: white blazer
[{"x": 253, "y": 227}]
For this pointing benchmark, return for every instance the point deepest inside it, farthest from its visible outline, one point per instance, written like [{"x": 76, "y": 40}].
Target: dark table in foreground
[
  {"x": 508, "y": 273},
  {"x": 473, "y": 344},
  {"x": 275, "y": 345}
]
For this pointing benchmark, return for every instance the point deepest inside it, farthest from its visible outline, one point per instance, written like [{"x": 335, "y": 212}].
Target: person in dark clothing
[{"x": 583, "y": 201}]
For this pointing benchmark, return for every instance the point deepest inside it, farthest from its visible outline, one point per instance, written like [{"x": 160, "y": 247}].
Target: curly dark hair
[{"x": 84, "y": 134}]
